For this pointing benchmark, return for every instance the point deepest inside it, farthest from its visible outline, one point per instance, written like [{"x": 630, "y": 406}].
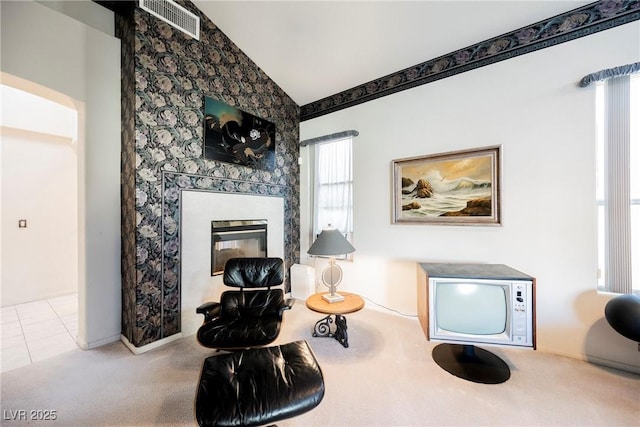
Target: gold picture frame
[{"x": 454, "y": 188}]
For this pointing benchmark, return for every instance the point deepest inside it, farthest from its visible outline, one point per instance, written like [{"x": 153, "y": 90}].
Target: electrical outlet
[{"x": 22, "y": 223}]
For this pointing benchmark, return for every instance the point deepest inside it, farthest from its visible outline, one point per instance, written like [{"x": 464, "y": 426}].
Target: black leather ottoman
[{"x": 258, "y": 386}]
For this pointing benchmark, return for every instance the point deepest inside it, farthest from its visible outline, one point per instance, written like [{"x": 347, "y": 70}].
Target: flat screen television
[{"x": 481, "y": 311}]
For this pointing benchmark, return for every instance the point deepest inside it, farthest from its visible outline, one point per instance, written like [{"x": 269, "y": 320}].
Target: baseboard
[
  {"x": 595, "y": 360},
  {"x": 95, "y": 344},
  {"x": 613, "y": 364},
  {"x": 143, "y": 349}
]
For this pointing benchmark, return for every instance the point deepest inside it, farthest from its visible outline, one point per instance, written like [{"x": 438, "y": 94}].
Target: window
[
  {"x": 333, "y": 182},
  {"x": 618, "y": 183}
]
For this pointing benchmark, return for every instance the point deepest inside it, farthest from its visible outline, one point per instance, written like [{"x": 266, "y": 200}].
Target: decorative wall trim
[
  {"x": 173, "y": 184},
  {"x": 580, "y": 22}
]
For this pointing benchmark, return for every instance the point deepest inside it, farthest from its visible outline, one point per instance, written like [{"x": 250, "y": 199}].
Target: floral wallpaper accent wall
[
  {"x": 125, "y": 31},
  {"x": 173, "y": 73}
]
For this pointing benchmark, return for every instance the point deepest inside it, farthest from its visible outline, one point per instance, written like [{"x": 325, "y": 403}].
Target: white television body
[{"x": 481, "y": 311}]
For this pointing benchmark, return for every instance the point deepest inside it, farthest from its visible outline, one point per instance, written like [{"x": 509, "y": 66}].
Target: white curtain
[{"x": 333, "y": 204}]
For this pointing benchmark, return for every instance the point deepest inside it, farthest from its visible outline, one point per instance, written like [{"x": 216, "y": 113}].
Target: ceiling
[{"x": 314, "y": 49}]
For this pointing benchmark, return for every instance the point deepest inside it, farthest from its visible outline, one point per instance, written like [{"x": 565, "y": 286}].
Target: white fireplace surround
[{"x": 199, "y": 208}]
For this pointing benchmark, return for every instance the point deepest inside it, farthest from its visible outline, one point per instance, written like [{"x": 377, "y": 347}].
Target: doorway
[{"x": 40, "y": 242}]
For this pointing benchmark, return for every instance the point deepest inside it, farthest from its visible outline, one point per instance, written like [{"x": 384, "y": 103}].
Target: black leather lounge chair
[
  {"x": 248, "y": 317},
  {"x": 253, "y": 386}
]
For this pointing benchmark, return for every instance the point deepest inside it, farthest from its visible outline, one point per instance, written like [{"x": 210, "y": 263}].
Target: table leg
[
  {"x": 323, "y": 329},
  {"x": 341, "y": 330}
]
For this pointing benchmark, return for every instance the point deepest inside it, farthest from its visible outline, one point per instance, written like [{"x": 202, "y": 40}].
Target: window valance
[
  {"x": 327, "y": 138},
  {"x": 601, "y": 75}
]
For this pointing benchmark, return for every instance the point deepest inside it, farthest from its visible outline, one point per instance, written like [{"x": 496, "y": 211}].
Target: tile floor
[{"x": 38, "y": 330}]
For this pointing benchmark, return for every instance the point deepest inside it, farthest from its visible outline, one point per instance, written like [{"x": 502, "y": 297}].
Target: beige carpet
[{"x": 385, "y": 378}]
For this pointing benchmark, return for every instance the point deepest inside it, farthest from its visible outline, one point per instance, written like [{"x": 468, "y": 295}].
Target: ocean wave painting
[{"x": 449, "y": 188}]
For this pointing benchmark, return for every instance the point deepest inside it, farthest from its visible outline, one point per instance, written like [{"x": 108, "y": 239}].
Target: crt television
[{"x": 481, "y": 311}]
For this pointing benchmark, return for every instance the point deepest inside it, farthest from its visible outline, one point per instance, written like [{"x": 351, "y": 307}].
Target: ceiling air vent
[{"x": 173, "y": 14}]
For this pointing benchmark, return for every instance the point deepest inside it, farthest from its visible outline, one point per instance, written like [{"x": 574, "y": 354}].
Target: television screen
[{"x": 471, "y": 308}]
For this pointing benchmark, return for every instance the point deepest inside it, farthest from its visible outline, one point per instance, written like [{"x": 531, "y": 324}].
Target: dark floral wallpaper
[
  {"x": 125, "y": 31},
  {"x": 163, "y": 145}
]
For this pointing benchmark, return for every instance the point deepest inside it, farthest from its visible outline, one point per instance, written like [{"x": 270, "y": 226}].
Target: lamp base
[{"x": 332, "y": 298}]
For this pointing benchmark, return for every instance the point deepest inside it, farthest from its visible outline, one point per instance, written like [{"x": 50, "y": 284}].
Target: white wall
[
  {"x": 85, "y": 11},
  {"x": 530, "y": 105},
  {"x": 65, "y": 60},
  {"x": 39, "y": 185},
  {"x": 199, "y": 208}
]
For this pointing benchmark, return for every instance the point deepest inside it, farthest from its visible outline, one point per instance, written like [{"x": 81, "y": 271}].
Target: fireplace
[
  {"x": 237, "y": 239},
  {"x": 199, "y": 208}
]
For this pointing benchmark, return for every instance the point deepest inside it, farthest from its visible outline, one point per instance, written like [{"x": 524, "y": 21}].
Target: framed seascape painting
[
  {"x": 233, "y": 136},
  {"x": 455, "y": 188}
]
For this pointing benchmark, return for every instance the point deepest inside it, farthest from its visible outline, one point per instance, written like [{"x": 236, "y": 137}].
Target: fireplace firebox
[{"x": 237, "y": 239}]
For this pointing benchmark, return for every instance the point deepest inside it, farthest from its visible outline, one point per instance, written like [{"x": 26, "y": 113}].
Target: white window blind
[
  {"x": 333, "y": 183},
  {"x": 618, "y": 183}
]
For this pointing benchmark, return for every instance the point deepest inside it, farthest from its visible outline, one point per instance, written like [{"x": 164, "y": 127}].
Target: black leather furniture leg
[{"x": 258, "y": 386}]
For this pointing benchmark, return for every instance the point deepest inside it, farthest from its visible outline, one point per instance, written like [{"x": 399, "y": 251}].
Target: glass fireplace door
[{"x": 236, "y": 239}]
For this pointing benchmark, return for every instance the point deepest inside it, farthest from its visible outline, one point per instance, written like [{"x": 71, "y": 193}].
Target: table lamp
[{"x": 331, "y": 243}]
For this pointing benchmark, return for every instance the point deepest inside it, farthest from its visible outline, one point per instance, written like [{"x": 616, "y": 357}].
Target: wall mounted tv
[{"x": 465, "y": 305}]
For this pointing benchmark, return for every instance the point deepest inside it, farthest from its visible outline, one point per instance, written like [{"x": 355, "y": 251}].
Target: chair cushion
[
  {"x": 247, "y": 319},
  {"x": 251, "y": 303},
  {"x": 253, "y": 272},
  {"x": 239, "y": 332},
  {"x": 258, "y": 386}
]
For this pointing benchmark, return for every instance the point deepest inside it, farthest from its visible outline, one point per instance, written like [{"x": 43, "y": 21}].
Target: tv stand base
[{"x": 471, "y": 363}]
